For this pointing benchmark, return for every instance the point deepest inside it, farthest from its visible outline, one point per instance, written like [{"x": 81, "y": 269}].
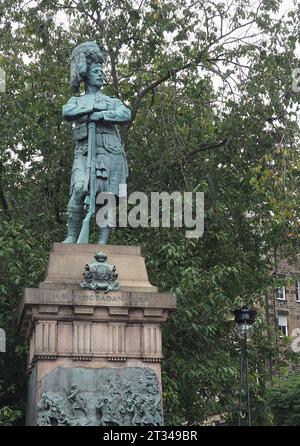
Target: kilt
[{"x": 111, "y": 171}]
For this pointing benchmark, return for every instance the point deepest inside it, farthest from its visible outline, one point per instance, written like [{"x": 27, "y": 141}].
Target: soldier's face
[{"x": 95, "y": 76}]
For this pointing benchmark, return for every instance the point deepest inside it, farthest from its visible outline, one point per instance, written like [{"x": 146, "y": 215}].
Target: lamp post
[{"x": 244, "y": 318}]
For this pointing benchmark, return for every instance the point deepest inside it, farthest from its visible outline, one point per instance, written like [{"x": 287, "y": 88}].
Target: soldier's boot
[
  {"x": 104, "y": 235},
  {"x": 74, "y": 220}
]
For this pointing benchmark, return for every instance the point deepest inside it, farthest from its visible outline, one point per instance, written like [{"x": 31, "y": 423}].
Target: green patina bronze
[
  {"x": 100, "y": 164},
  {"x": 100, "y": 397},
  {"x": 100, "y": 275}
]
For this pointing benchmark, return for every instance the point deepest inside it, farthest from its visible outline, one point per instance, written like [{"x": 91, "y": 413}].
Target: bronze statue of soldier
[{"x": 100, "y": 164}]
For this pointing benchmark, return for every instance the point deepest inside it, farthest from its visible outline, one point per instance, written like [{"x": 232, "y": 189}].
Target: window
[
  {"x": 281, "y": 293},
  {"x": 283, "y": 324},
  {"x": 298, "y": 290}
]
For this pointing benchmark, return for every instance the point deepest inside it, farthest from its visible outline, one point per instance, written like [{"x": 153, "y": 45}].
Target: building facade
[{"x": 283, "y": 303}]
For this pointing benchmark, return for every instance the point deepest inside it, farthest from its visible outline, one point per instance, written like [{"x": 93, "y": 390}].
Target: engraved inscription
[{"x": 107, "y": 298}]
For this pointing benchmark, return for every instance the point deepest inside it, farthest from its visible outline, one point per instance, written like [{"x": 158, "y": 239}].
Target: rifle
[{"x": 91, "y": 182}]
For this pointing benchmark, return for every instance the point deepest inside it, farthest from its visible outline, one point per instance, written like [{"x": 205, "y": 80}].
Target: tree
[{"x": 285, "y": 401}]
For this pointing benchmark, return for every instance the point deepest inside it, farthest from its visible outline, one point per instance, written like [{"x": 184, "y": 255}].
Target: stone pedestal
[{"x": 94, "y": 358}]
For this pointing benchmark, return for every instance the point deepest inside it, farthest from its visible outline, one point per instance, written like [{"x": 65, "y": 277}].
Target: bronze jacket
[{"x": 114, "y": 111}]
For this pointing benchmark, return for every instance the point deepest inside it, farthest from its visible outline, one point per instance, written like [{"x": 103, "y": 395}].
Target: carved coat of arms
[{"x": 100, "y": 275}]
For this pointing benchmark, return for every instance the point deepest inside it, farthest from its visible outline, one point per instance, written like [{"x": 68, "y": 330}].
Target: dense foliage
[
  {"x": 210, "y": 88},
  {"x": 285, "y": 401}
]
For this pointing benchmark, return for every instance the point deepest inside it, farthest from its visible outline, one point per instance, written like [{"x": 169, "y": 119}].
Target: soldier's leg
[
  {"x": 106, "y": 218},
  {"x": 75, "y": 213},
  {"x": 104, "y": 234}
]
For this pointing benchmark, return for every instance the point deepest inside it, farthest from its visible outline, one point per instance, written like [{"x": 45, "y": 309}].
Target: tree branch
[
  {"x": 202, "y": 148},
  {"x": 159, "y": 81},
  {"x": 4, "y": 202},
  {"x": 114, "y": 74}
]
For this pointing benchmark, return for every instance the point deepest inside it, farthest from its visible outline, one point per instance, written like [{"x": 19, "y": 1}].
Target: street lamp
[{"x": 244, "y": 318}]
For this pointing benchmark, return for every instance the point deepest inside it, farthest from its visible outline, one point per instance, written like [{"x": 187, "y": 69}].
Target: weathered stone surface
[
  {"x": 66, "y": 265},
  {"x": 112, "y": 339},
  {"x": 31, "y": 398},
  {"x": 72, "y": 328}
]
